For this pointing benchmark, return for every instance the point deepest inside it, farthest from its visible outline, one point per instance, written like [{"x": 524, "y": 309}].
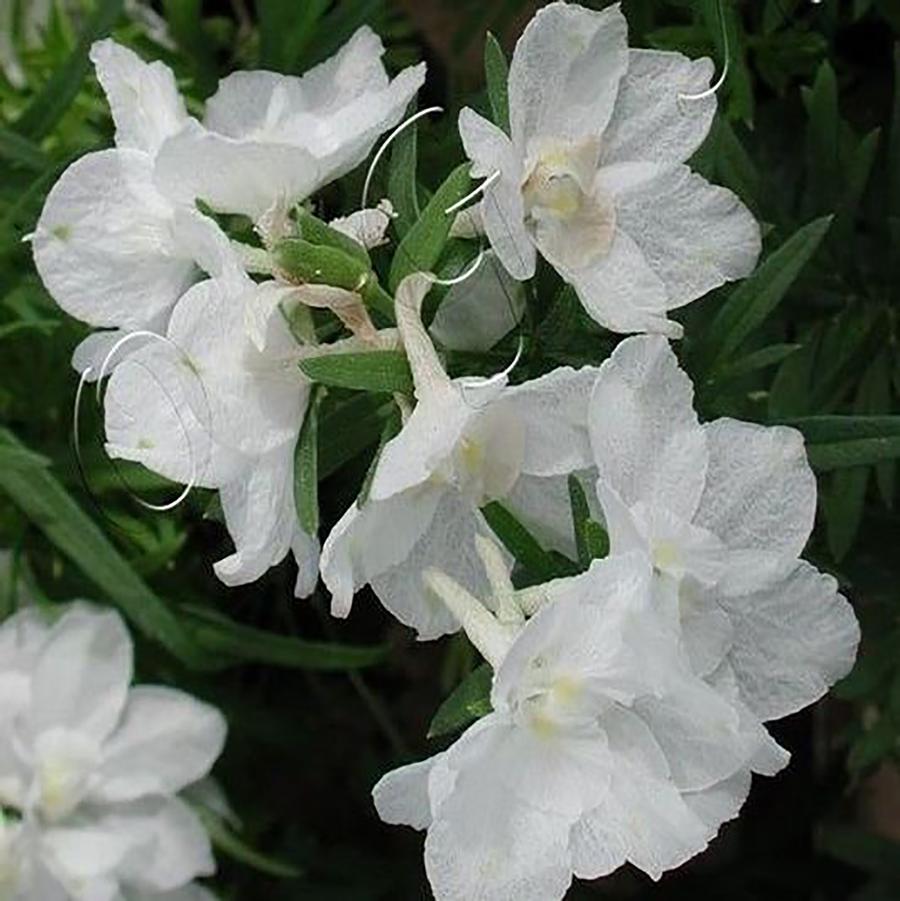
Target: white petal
[
  {"x": 793, "y": 639},
  {"x": 553, "y": 410},
  {"x": 253, "y": 402},
  {"x": 645, "y": 819},
  {"x": 649, "y": 122},
  {"x": 622, "y": 292},
  {"x": 723, "y": 801},
  {"x": 260, "y": 515},
  {"x": 707, "y": 630},
  {"x": 486, "y": 842},
  {"x": 693, "y": 235},
  {"x": 477, "y": 313},
  {"x": 105, "y": 246},
  {"x": 81, "y": 677},
  {"x": 150, "y": 418},
  {"x": 369, "y": 541},
  {"x": 448, "y": 544},
  {"x": 760, "y": 492},
  {"x": 86, "y": 856},
  {"x": 646, "y": 439},
  {"x": 424, "y": 445},
  {"x": 169, "y": 846},
  {"x": 237, "y": 176},
  {"x": 143, "y": 97},
  {"x": 565, "y": 72},
  {"x": 401, "y": 796},
  {"x": 503, "y": 209},
  {"x": 166, "y": 741}
]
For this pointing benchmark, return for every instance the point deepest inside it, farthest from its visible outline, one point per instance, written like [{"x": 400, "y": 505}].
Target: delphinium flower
[
  {"x": 603, "y": 747},
  {"x": 90, "y": 768},
  {"x": 110, "y": 247},
  {"x": 269, "y": 138},
  {"x": 593, "y": 174},
  {"x": 723, "y": 510},
  {"x": 467, "y": 442}
]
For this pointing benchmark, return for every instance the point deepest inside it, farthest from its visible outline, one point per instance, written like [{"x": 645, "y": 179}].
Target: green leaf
[
  {"x": 316, "y": 231},
  {"x": 44, "y": 501},
  {"x": 470, "y": 701},
  {"x": 51, "y": 104},
  {"x": 877, "y": 742},
  {"x": 391, "y": 428},
  {"x": 854, "y": 183},
  {"x": 385, "y": 371},
  {"x": 224, "y": 637},
  {"x": 758, "y": 359},
  {"x": 306, "y": 468},
  {"x": 754, "y": 300},
  {"x": 823, "y": 142},
  {"x": 232, "y": 845},
  {"x": 20, "y": 458},
  {"x": 591, "y": 539},
  {"x": 834, "y": 442},
  {"x": 719, "y": 13},
  {"x": 872, "y": 853},
  {"x": 496, "y": 74},
  {"x": 893, "y": 156},
  {"x": 403, "y": 189},
  {"x": 735, "y": 166},
  {"x": 421, "y": 247},
  {"x": 540, "y": 564},
  {"x": 21, "y": 151},
  {"x": 349, "y": 429}
]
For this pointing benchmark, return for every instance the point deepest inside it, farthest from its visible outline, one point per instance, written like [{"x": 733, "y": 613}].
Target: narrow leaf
[
  {"x": 496, "y": 74},
  {"x": 402, "y": 186},
  {"x": 378, "y": 370},
  {"x": 44, "y": 501},
  {"x": 470, "y": 701},
  {"x": 306, "y": 468},
  {"x": 751, "y": 303},
  {"x": 51, "y": 104},
  {"x": 421, "y": 248}
]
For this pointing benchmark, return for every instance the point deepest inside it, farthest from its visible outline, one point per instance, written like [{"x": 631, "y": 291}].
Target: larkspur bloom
[
  {"x": 723, "y": 509},
  {"x": 466, "y": 443},
  {"x": 602, "y": 748},
  {"x": 269, "y": 139},
  {"x": 110, "y": 247},
  {"x": 90, "y": 769},
  {"x": 220, "y": 404},
  {"x": 592, "y": 174}
]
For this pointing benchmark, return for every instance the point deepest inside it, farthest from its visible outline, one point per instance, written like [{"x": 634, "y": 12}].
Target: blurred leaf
[
  {"x": 539, "y": 563},
  {"x": 349, "y": 429},
  {"x": 222, "y": 636},
  {"x": 43, "y": 500},
  {"x": 402, "y": 189},
  {"x": 496, "y": 74},
  {"x": 51, "y": 104},
  {"x": 421, "y": 247},
  {"x": 230, "y": 844},
  {"x": 20, "y": 458},
  {"x": 861, "y": 849},
  {"x": 306, "y": 467},
  {"x": 591, "y": 539},
  {"x": 822, "y": 142},
  {"x": 19, "y": 150},
  {"x": 470, "y": 701},
  {"x": 754, "y": 300},
  {"x": 726, "y": 29},
  {"x": 385, "y": 371}
]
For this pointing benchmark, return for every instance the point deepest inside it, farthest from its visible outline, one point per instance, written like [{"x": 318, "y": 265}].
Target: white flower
[
  {"x": 602, "y": 746},
  {"x": 221, "y": 405},
  {"x": 111, "y": 249},
  {"x": 468, "y": 442},
  {"x": 593, "y": 174},
  {"x": 90, "y": 768},
  {"x": 723, "y": 509},
  {"x": 272, "y": 138}
]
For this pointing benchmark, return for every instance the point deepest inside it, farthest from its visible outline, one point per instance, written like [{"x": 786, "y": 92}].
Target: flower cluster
[
  {"x": 628, "y": 700},
  {"x": 90, "y": 768}
]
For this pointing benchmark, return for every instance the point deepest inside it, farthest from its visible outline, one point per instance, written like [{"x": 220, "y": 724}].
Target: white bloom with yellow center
[
  {"x": 602, "y": 746},
  {"x": 592, "y": 174},
  {"x": 90, "y": 768},
  {"x": 468, "y": 442}
]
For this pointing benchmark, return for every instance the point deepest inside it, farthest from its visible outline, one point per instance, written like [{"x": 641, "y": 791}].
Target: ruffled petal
[
  {"x": 649, "y": 122},
  {"x": 565, "y": 72}
]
